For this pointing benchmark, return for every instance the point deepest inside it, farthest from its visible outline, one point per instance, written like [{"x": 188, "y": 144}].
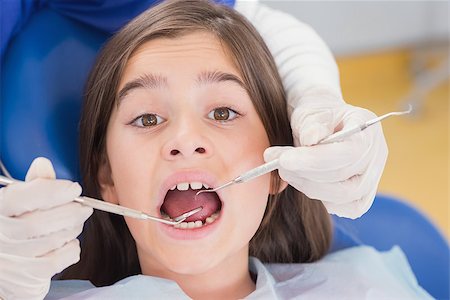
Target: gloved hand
[
  {"x": 39, "y": 224},
  {"x": 344, "y": 175}
]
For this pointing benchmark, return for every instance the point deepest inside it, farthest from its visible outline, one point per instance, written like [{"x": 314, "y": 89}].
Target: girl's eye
[
  {"x": 147, "y": 120},
  {"x": 222, "y": 114}
]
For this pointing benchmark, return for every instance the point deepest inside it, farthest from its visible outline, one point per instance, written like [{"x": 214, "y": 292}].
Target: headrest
[{"x": 43, "y": 75}]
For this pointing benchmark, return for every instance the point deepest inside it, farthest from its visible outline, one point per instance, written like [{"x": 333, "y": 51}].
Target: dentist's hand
[
  {"x": 39, "y": 224},
  {"x": 344, "y": 175}
]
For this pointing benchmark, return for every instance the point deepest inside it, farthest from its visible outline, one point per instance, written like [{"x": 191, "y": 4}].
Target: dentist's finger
[
  {"x": 345, "y": 191},
  {"x": 37, "y": 270},
  {"x": 22, "y": 197},
  {"x": 311, "y": 126},
  {"x": 38, "y": 246},
  {"x": 325, "y": 163},
  {"x": 43, "y": 222},
  {"x": 353, "y": 209},
  {"x": 56, "y": 261},
  {"x": 41, "y": 167}
]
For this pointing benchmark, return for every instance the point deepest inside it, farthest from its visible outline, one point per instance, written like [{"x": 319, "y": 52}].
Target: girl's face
[{"x": 184, "y": 119}]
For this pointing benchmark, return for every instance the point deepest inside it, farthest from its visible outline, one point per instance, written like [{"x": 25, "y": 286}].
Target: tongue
[{"x": 177, "y": 203}]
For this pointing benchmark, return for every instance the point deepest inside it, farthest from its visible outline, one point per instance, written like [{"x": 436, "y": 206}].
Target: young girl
[
  {"x": 186, "y": 97},
  {"x": 188, "y": 93}
]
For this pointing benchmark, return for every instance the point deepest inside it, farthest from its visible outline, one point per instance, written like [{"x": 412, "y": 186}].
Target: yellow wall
[{"x": 417, "y": 168}]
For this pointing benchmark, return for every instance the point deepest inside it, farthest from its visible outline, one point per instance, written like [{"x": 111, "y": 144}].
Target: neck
[{"x": 230, "y": 279}]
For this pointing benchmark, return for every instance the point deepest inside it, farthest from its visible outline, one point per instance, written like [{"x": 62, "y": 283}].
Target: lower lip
[{"x": 190, "y": 234}]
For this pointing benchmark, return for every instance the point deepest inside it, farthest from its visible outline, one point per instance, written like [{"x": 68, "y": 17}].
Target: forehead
[{"x": 184, "y": 54}]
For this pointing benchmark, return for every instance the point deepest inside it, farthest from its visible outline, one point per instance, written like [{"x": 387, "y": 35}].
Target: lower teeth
[{"x": 196, "y": 224}]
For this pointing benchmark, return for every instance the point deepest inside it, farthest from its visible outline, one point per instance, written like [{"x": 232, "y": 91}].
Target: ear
[
  {"x": 283, "y": 185},
  {"x": 106, "y": 182}
]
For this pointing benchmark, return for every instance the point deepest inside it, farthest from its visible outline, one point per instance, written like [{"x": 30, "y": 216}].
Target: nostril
[
  {"x": 200, "y": 150},
  {"x": 174, "y": 152}
]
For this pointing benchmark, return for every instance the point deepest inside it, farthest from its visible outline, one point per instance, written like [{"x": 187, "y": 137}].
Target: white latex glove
[
  {"x": 343, "y": 175},
  {"x": 39, "y": 225}
]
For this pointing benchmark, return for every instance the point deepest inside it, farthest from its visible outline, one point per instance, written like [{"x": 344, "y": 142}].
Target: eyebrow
[
  {"x": 146, "y": 81},
  {"x": 155, "y": 81},
  {"x": 218, "y": 76}
]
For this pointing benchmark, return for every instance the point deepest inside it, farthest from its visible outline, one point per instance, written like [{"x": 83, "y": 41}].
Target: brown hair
[{"x": 294, "y": 228}]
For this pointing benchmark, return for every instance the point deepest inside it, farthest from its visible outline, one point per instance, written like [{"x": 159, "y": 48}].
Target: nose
[{"x": 187, "y": 140}]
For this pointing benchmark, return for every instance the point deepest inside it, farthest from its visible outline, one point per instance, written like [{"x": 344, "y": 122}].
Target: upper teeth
[{"x": 184, "y": 186}]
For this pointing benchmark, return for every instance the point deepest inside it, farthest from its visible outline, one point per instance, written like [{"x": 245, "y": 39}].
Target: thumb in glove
[{"x": 41, "y": 167}]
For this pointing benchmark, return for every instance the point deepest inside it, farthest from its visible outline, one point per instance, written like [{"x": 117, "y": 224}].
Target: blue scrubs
[{"x": 105, "y": 15}]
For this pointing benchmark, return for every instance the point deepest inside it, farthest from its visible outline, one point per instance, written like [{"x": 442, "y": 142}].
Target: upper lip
[{"x": 184, "y": 176}]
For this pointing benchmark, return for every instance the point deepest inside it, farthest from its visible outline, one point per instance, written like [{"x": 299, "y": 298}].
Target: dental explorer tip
[
  {"x": 192, "y": 212},
  {"x": 188, "y": 214},
  {"x": 410, "y": 108}
]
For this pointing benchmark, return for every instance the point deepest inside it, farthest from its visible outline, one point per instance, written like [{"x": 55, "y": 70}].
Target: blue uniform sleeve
[{"x": 106, "y": 15}]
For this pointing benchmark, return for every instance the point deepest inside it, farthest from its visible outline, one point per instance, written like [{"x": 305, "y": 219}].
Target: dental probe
[
  {"x": 117, "y": 209},
  {"x": 335, "y": 137}
]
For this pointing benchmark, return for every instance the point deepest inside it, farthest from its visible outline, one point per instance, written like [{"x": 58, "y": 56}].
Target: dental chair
[{"x": 42, "y": 78}]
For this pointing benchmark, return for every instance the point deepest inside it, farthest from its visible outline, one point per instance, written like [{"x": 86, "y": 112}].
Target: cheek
[
  {"x": 143, "y": 233},
  {"x": 245, "y": 207},
  {"x": 248, "y": 200},
  {"x": 132, "y": 161},
  {"x": 244, "y": 149},
  {"x": 254, "y": 200}
]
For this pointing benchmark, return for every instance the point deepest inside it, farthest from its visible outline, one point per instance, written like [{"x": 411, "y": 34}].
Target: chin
[{"x": 190, "y": 263}]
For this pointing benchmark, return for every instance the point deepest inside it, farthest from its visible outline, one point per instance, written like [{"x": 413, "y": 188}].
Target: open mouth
[{"x": 181, "y": 198}]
